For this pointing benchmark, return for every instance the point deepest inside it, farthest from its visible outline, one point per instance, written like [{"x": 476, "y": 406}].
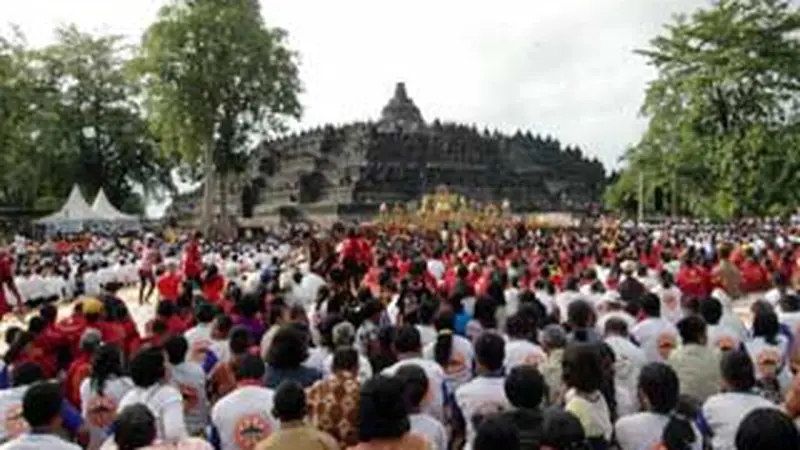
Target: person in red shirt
[
  {"x": 213, "y": 285},
  {"x": 169, "y": 283},
  {"x": 81, "y": 366},
  {"x": 7, "y": 280},
  {"x": 193, "y": 259},
  {"x": 72, "y": 327},
  {"x": 693, "y": 280},
  {"x": 755, "y": 277}
]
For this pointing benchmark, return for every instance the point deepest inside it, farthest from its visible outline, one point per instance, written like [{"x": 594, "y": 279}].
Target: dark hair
[
  {"x": 288, "y": 349},
  {"x": 106, "y": 362},
  {"x": 49, "y": 313},
  {"x": 580, "y": 314},
  {"x": 147, "y": 367},
  {"x": 616, "y": 326},
  {"x": 415, "y": 382},
  {"x": 223, "y": 324},
  {"x": 204, "y": 313},
  {"x": 25, "y": 374},
  {"x": 485, "y": 312},
  {"x": 659, "y": 383},
  {"x": 135, "y": 427},
  {"x": 36, "y": 325},
  {"x": 766, "y": 325},
  {"x": 345, "y": 358},
  {"x": 581, "y": 367},
  {"x": 651, "y": 304},
  {"x": 239, "y": 341},
  {"x": 496, "y": 432},
  {"x": 250, "y": 367},
  {"x": 443, "y": 348},
  {"x": 165, "y": 308},
  {"x": 525, "y": 387},
  {"x": 767, "y": 428},
  {"x": 692, "y": 330},
  {"x": 42, "y": 403},
  {"x": 408, "y": 339},
  {"x": 519, "y": 327},
  {"x": 666, "y": 279},
  {"x": 711, "y": 310},
  {"x": 382, "y": 411},
  {"x": 563, "y": 431},
  {"x": 737, "y": 370},
  {"x": 490, "y": 351},
  {"x": 176, "y": 348},
  {"x": 290, "y": 402}
]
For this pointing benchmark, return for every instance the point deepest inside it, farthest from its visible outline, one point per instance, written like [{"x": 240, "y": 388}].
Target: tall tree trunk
[
  {"x": 208, "y": 189},
  {"x": 223, "y": 203}
]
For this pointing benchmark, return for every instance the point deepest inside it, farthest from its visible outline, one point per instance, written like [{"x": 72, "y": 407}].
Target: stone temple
[{"x": 347, "y": 172}]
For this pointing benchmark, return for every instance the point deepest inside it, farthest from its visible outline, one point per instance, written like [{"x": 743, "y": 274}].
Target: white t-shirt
[
  {"x": 770, "y": 360},
  {"x": 481, "y": 397},
  {"x": 39, "y": 442},
  {"x": 563, "y": 300},
  {"x": 100, "y": 411},
  {"x": 670, "y": 302},
  {"x": 643, "y": 431},
  {"x": 436, "y": 387},
  {"x": 427, "y": 334},
  {"x": 724, "y": 412},
  {"x": 190, "y": 379},
  {"x": 244, "y": 418},
  {"x": 521, "y": 352},
  {"x": 429, "y": 428},
  {"x": 628, "y": 362},
  {"x": 12, "y": 424},
  {"x": 657, "y": 337},
  {"x": 166, "y": 404},
  {"x": 462, "y": 356},
  {"x": 436, "y": 268}
]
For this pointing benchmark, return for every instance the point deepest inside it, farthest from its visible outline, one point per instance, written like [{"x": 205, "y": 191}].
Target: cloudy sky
[{"x": 563, "y": 67}]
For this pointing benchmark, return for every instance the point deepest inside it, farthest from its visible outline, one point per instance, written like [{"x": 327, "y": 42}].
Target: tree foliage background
[
  {"x": 722, "y": 139},
  {"x": 208, "y": 79}
]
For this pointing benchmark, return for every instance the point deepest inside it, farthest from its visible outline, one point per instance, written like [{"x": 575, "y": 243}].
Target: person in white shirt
[
  {"x": 41, "y": 409},
  {"x": 722, "y": 413},
  {"x": 148, "y": 371},
  {"x": 435, "y": 265},
  {"x": 485, "y": 395},
  {"x": 452, "y": 352},
  {"x": 12, "y": 421},
  {"x": 769, "y": 350},
  {"x": 670, "y": 296},
  {"x": 660, "y": 421},
  {"x": 566, "y": 297},
  {"x": 190, "y": 379},
  {"x": 520, "y": 349},
  {"x": 102, "y": 392},
  {"x": 767, "y": 429},
  {"x": 656, "y": 336},
  {"x": 199, "y": 336},
  {"x": 409, "y": 351},
  {"x": 244, "y": 417},
  {"x": 629, "y": 358},
  {"x": 416, "y": 386},
  {"x": 583, "y": 378},
  {"x": 720, "y": 336}
]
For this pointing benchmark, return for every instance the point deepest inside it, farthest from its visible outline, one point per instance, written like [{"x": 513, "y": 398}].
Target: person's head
[
  {"x": 553, "y": 337},
  {"x": 416, "y": 385},
  {"x": 90, "y": 341},
  {"x": 382, "y": 410},
  {"x": 135, "y": 427},
  {"x": 766, "y": 326},
  {"x": 289, "y": 348},
  {"x": 165, "y": 309},
  {"x": 485, "y": 312},
  {"x": 250, "y": 368},
  {"x": 176, "y": 347},
  {"x": 711, "y": 310},
  {"x": 239, "y": 341},
  {"x": 790, "y": 303},
  {"x": 148, "y": 367},
  {"x": 345, "y": 359},
  {"x": 616, "y": 327},
  {"x": 519, "y": 327},
  {"x": 767, "y": 428},
  {"x": 525, "y": 387},
  {"x": 692, "y": 330},
  {"x": 41, "y": 405},
  {"x": 343, "y": 334},
  {"x": 106, "y": 363},
  {"x": 737, "y": 371},
  {"x": 48, "y": 313},
  {"x": 290, "y": 402},
  {"x": 651, "y": 305},
  {"x": 496, "y": 432},
  {"x": 561, "y": 430},
  {"x": 26, "y": 374},
  {"x": 490, "y": 351},
  {"x": 408, "y": 341},
  {"x": 204, "y": 313},
  {"x": 659, "y": 390},
  {"x": 222, "y": 327},
  {"x": 582, "y": 367}
]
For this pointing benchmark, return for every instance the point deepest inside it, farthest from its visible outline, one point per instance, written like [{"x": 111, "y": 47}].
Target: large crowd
[{"x": 387, "y": 338}]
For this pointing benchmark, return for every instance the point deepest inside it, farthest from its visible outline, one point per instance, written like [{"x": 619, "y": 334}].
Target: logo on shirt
[
  {"x": 457, "y": 364},
  {"x": 250, "y": 430},
  {"x": 665, "y": 344},
  {"x": 101, "y": 411},
  {"x": 768, "y": 361},
  {"x": 15, "y": 422}
]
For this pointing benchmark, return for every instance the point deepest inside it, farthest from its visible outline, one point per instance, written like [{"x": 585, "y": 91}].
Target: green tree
[
  {"x": 723, "y": 111},
  {"x": 216, "y": 77}
]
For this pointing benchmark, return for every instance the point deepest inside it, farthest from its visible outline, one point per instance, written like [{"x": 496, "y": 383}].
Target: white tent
[
  {"x": 103, "y": 208},
  {"x": 75, "y": 211}
]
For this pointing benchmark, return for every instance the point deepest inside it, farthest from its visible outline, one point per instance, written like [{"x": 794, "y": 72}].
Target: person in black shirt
[{"x": 525, "y": 388}]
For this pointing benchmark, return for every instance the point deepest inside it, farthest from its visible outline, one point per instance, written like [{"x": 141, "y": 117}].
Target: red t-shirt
[
  {"x": 212, "y": 289},
  {"x": 192, "y": 260},
  {"x": 5, "y": 277},
  {"x": 169, "y": 286}
]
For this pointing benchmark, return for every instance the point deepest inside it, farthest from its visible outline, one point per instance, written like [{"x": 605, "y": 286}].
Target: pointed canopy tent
[
  {"x": 103, "y": 207},
  {"x": 75, "y": 211}
]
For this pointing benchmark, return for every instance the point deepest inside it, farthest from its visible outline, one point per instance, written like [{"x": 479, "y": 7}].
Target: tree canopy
[{"x": 722, "y": 138}]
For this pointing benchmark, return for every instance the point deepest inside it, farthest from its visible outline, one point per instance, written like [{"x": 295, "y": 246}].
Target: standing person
[
  {"x": 243, "y": 418},
  {"x": 520, "y": 349},
  {"x": 136, "y": 430},
  {"x": 695, "y": 363},
  {"x": 295, "y": 434},
  {"x": 148, "y": 371},
  {"x": 724, "y": 412},
  {"x": 767, "y": 429},
  {"x": 193, "y": 260},
  {"x": 416, "y": 385},
  {"x": 41, "y": 409},
  {"x": 101, "y": 393},
  {"x": 169, "y": 283},
  {"x": 582, "y": 366},
  {"x": 147, "y": 277},
  {"x": 7, "y": 281},
  {"x": 554, "y": 341},
  {"x": 288, "y": 351},
  {"x": 190, "y": 379},
  {"x": 525, "y": 389},
  {"x": 657, "y": 337},
  {"x": 452, "y": 352},
  {"x": 333, "y": 401},
  {"x": 484, "y": 395}
]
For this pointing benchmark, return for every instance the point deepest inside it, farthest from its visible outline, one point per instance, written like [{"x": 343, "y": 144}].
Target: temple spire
[{"x": 401, "y": 112}]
